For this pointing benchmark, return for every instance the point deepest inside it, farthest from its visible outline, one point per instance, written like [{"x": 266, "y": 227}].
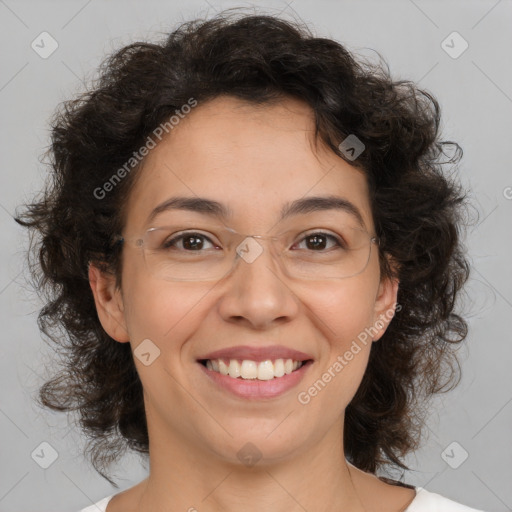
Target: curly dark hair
[{"x": 418, "y": 212}]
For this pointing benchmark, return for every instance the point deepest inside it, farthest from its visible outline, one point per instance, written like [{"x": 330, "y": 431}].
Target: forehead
[{"x": 252, "y": 158}]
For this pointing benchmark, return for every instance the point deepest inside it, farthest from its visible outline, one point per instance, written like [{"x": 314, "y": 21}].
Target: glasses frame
[{"x": 138, "y": 241}]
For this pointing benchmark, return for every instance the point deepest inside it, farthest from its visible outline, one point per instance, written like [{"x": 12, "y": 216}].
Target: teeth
[
  {"x": 234, "y": 369},
  {"x": 223, "y": 367},
  {"x": 248, "y": 370},
  {"x": 265, "y": 370},
  {"x": 279, "y": 368}
]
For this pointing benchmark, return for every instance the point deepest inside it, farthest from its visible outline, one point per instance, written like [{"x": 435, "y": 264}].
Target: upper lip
[{"x": 258, "y": 354}]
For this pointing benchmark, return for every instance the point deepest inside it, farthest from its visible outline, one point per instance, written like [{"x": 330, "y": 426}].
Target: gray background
[{"x": 475, "y": 92}]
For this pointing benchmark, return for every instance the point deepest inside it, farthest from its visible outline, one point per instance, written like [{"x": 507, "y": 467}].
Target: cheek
[
  {"x": 343, "y": 311},
  {"x": 162, "y": 311},
  {"x": 344, "y": 314},
  {"x": 167, "y": 315}
]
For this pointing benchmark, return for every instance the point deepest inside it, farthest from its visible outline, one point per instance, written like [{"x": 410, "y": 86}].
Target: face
[{"x": 253, "y": 160}]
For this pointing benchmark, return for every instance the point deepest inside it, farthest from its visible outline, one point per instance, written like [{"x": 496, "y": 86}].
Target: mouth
[
  {"x": 255, "y": 380},
  {"x": 246, "y": 369}
]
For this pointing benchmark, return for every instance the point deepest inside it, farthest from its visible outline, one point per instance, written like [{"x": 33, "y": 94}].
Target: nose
[{"x": 256, "y": 291}]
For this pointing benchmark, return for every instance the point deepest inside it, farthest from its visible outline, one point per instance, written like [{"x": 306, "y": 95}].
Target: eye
[
  {"x": 319, "y": 240},
  {"x": 191, "y": 241}
]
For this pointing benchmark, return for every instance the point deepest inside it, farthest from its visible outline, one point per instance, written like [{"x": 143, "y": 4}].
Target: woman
[{"x": 255, "y": 253}]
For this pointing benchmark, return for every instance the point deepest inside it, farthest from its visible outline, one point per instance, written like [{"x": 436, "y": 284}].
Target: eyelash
[{"x": 168, "y": 243}]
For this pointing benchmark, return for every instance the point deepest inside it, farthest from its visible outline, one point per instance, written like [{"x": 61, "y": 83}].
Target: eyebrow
[{"x": 301, "y": 206}]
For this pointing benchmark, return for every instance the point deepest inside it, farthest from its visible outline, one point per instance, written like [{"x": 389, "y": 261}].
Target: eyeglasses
[{"x": 173, "y": 253}]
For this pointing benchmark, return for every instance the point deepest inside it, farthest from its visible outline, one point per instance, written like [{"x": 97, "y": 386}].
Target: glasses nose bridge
[{"x": 251, "y": 248}]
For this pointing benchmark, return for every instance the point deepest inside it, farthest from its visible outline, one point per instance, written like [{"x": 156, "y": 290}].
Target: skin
[{"x": 252, "y": 159}]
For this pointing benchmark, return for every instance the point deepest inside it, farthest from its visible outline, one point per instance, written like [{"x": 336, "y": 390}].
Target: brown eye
[
  {"x": 188, "y": 242},
  {"x": 316, "y": 241},
  {"x": 319, "y": 241}
]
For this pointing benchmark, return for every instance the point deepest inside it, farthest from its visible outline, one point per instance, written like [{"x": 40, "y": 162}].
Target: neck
[{"x": 185, "y": 475}]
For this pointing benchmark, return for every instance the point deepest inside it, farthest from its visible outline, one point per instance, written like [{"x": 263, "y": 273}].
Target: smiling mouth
[{"x": 254, "y": 370}]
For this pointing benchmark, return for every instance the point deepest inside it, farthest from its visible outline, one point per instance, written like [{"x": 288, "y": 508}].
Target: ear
[
  {"x": 109, "y": 303},
  {"x": 385, "y": 306}
]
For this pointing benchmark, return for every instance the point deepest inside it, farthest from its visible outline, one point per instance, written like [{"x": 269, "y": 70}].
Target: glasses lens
[
  {"x": 178, "y": 254},
  {"x": 321, "y": 254}
]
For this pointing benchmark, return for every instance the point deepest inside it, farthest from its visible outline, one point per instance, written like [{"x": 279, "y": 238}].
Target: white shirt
[{"x": 424, "y": 501}]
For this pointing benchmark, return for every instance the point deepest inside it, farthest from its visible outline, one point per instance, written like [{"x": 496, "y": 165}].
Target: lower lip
[{"x": 257, "y": 389}]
